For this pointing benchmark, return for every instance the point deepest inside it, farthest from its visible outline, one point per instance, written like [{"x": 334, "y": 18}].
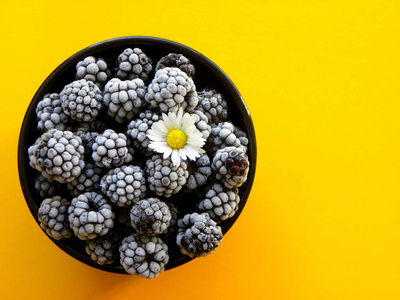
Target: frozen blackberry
[
  {"x": 124, "y": 185},
  {"x": 137, "y": 130},
  {"x": 213, "y": 104},
  {"x": 53, "y": 217},
  {"x": 169, "y": 234},
  {"x": 201, "y": 123},
  {"x": 47, "y": 187},
  {"x": 90, "y": 215},
  {"x": 143, "y": 255},
  {"x": 231, "y": 166},
  {"x": 95, "y": 126},
  {"x": 111, "y": 149},
  {"x": 93, "y": 69},
  {"x": 199, "y": 172},
  {"x": 134, "y": 63},
  {"x": 49, "y": 114},
  {"x": 178, "y": 61},
  {"x": 82, "y": 100},
  {"x": 171, "y": 89},
  {"x": 104, "y": 249},
  {"x": 58, "y": 155},
  {"x": 226, "y": 134},
  {"x": 150, "y": 216},
  {"x": 198, "y": 235},
  {"x": 219, "y": 202},
  {"x": 87, "y": 181},
  {"x": 124, "y": 99},
  {"x": 164, "y": 177}
]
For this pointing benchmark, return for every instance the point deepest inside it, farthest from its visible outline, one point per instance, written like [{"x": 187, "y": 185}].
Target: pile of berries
[{"x": 100, "y": 183}]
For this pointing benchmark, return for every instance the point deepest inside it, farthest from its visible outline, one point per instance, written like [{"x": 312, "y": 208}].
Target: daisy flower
[{"x": 177, "y": 136}]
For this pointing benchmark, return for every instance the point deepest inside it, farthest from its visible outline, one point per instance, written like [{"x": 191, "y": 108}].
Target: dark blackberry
[
  {"x": 231, "y": 166},
  {"x": 53, "y": 217},
  {"x": 176, "y": 60},
  {"x": 93, "y": 69},
  {"x": 198, "y": 235}
]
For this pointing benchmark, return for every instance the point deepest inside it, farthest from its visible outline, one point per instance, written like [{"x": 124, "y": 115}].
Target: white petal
[
  {"x": 175, "y": 158},
  {"x": 167, "y": 152}
]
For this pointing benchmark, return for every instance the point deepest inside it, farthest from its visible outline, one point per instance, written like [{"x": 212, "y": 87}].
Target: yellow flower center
[{"x": 176, "y": 139}]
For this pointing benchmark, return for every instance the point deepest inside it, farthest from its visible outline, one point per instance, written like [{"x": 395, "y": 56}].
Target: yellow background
[{"x": 322, "y": 82}]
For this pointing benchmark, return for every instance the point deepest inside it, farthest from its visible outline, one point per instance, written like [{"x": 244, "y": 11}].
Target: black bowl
[{"x": 207, "y": 74}]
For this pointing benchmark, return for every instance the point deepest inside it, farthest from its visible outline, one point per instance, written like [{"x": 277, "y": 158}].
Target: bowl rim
[{"x": 124, "y": 41}]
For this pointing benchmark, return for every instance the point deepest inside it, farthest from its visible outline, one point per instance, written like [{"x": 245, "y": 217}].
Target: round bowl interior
[{"x": 207, "y": 74}]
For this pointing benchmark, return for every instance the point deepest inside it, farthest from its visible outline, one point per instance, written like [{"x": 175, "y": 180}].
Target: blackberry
[
  {"x": 124, "y": 185},
  {"x": 226, "y": 135},
  {"x": 150, "y": 216},
  {"x": 133, "y": 63},
  {"x": 171, "y": 89},
  {"x": 137, "y": 130},
  {"x": 198, "y": 235},
  {"x": 104, "y": 249},
  {"x": 82, "y": 100},
  {"x": 58, "y": 155},
  {"x": 143, "y": 255},
  {"x": 213, "y": 104},
  {"x": 219, "y": 202},
  {"x": 164, "y": 178},
  {"x": 124, "y": 99},
  {"x": 231, "y": 166},
  {"x": 111, "y": 149},
  {"x": 201, "y": 123},
  {"x": 87, "y": 181},
  {"x": 93, "y": 69},
  {"x": 53, "y": 217},
  {"x": 199, "y": 172},
  {"x": 178, "y": 61},
  {"x": 47, "y": 187},
  {"x": 50, "y": 114},
  {"x": 88, "y": 138},
  {"x": 90, "y": 215}
]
